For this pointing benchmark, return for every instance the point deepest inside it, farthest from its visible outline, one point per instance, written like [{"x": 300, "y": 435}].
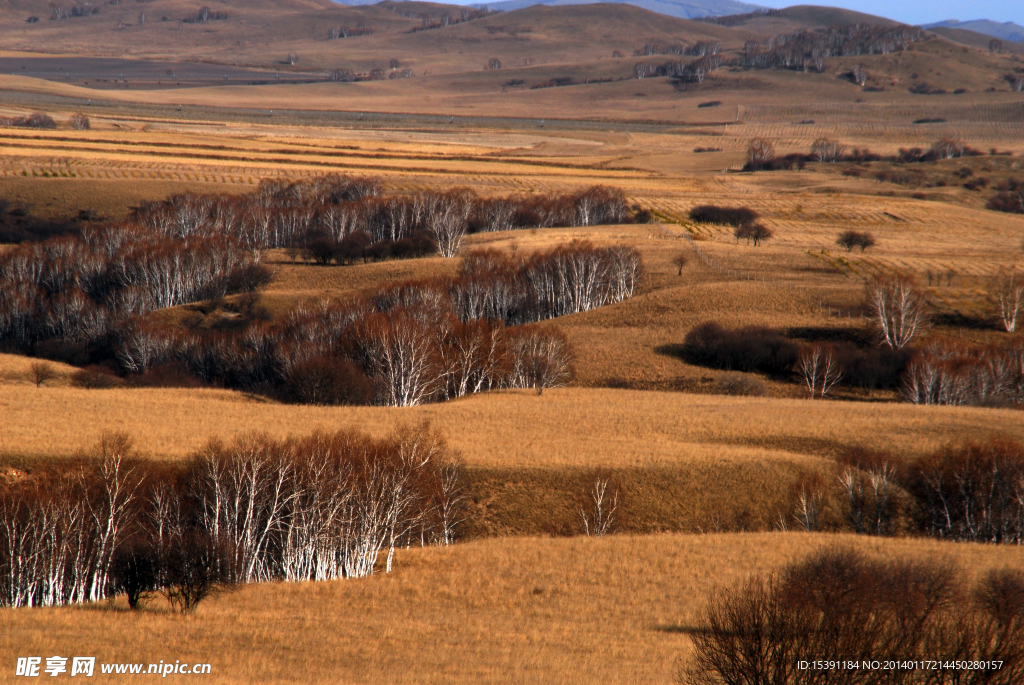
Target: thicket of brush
[
  {"x": 724, "y": 216},
  {"x": 946, "y": 372},
  {"x": 751, "y": 348},
  {"x": 410, "y": 342},
  {"x": 939, "y": 372},
  {"x": 829, "y": 150},
  {"x": 871, "y": 623},
  {"x": 965, "y": 492},
  {"x": 314, "y": 508},
  {"x": 33, "y": 120},
  {"x": 1010, "y": 197}
]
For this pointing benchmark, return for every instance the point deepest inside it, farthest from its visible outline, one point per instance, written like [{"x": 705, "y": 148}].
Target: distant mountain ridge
[
  {"x": 683, "y": 9},
  {"x": 1004, "y": 31}
]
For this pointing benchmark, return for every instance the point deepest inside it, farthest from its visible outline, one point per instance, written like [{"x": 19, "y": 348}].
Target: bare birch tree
[
  {"x": 1007, "y": 292},
  {"x": 899, "y": 309},
  {"x": 819, "y": 369},
  {"x": 600, "y": 519}
]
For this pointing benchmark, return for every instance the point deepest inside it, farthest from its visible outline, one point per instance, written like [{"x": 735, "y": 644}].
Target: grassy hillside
[
  {"x": 579, "y": 610},
  {"x": 973, "y": 39},
  {"x": 262, "y": 35}
]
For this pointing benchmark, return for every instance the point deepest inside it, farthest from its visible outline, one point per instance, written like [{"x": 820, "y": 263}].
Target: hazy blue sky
[{"x": 923, "y": 11}]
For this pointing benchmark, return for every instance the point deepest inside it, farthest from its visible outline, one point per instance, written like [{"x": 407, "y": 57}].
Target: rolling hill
[
  {"x": 974, "y": 39},
  {"x": 671, "y": 8},
  {"x": 1003, "y": 31}
]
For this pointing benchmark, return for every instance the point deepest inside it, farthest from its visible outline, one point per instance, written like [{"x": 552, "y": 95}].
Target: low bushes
[
  {"x": 1010, "y": 197},
  {"x": 751, "y": 348},
  {"x": 724, "y": 216},
  {"x": 843, "y": 607},
  {"x": 941, "y": 372},
  {"x": 33, "y": 120}
]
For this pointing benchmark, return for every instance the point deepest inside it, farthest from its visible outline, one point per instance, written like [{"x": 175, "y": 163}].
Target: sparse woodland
[{"x": 85, "y": 297}]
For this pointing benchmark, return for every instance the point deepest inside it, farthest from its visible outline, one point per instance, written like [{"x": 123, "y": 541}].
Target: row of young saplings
[
  {"x": 965, "y": 492},
  {"x": 761, "y": 154},
  {"x": 325, "y": 506},
  {"x": 842, "y": 617},
  {"x": 406, "y": 343},
  {"x": 942, "y": 371}
]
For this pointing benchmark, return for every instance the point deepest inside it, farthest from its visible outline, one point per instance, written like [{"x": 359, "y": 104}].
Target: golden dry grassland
[
  {"x": 510, "y": 610},
  {"x": 571, "y": 427}
]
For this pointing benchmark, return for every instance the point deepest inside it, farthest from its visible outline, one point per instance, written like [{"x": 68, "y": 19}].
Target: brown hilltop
[{"x": 974, "y": 39}]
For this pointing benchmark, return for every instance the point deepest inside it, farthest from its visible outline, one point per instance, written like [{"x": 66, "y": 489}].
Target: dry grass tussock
[{"x": 581, "y": 610}]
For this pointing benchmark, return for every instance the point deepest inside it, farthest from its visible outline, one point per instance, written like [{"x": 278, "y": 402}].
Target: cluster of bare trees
[
  {"x": 360, "y": 29},
  {"x": 851, "y": 239},
  {"x": 972, "y": 492},
  {"x": 336, "y": 207},
  {"x": 819, "y": 369},
  {"x": 411, "y": 342},
  {"x": 944, "y": 372},
  {"x": 688, "y": 72},
  {"x": 79, "y": 289},
  {"x": 826, "y": 149},
  {"x": 699, "y": 49},
  {"x": 79, "y": 122},
  {"x": 805, "y": 50},
  {"x": 430, "y": 21},
  {"x": 203, "y": 15},
  {"x": 761, "y": 156},
  {"x": 79, "y": 9},
  {"x": 33, "y": 120},
  {"x": 903, "y": 614},
  {"x": 760, "y": 153},
  {"x": 737, "y": 19},
  {"x": 566, "y": 280},
  {"x": 969, "y": 491},
  {"x": 315, "y": 508},
  {"x": 84, "y": 297},
  {"x": 951, "y": 374},
  {"x": 940, "y": 372},
  {"x": 1007, "y": 293}
]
